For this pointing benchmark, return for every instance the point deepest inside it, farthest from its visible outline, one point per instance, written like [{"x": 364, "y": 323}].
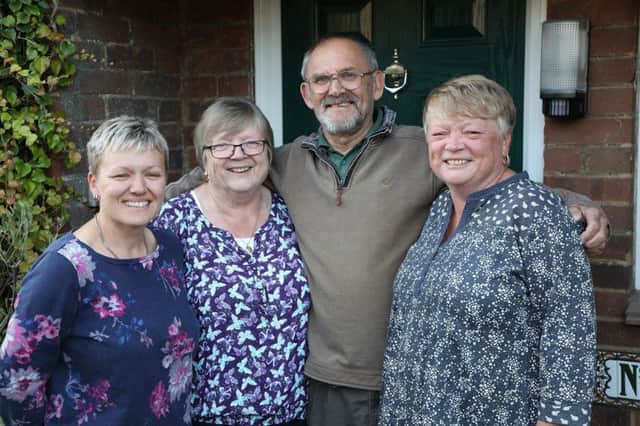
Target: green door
[{"x": 435, "y": 39}]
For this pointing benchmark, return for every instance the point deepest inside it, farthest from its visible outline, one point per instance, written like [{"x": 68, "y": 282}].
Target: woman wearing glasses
[{"x": 245, "y": 277}]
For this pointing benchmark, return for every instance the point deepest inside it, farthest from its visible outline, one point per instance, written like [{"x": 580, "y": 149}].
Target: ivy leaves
[{"x": 35, "y": 61}]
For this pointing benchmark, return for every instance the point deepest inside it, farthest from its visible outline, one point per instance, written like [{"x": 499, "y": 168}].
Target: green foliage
[
  {"x": 15, "y": 223},
  {"x": 34, "y": 63}
]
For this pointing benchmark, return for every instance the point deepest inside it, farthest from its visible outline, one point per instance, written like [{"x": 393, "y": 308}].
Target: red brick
[
  {"x": 610, "y": 160},
  {"x": 190, "y": 156},
  {"x": 105, "y": 28},
  {"x": 217, "y": 11},
  {"x": 227, "y": 35},
  {"x": 619, "y": 247},
  {"x": 607, "y": 415},
  {"x": 605, "y": 101},
  {"x": 599, "y": 12},
  {"x": 611, "y": 71},
  {"x": 610, "y": 305},
  {"x": 79, "y": 108},
  {"x": 93, "y": 55},
  {"x": 235, "y": 86},
  {"x": 218, "y": 61},
  {"x": 565, "y": 159},
  {"x": 598, "y": 188},
  {"x": 621, "y": 217},
  {"x": 589, "y": 131},
  {"x": 86, "y": 5},
  {"x": 168, "y": 61},
  {"x": 195, "y": 110},
  {"x": 613, "y": 41},
  {"x": 102, "y": 82},
  {"x": 202, "y": 87},
  {"x": 174, "y": 175},
  {"x": 155, "y": 84},
  {"x": 619, "y": 335},
  {"x": 170, "y": 110},
  {"x": 175, "y": 159},
  {"x": 155, "y": 35},
  {"x": 126, "y": 57},
  {"x": 611, "y": 276},
  {"x": 118, "y": 105}
]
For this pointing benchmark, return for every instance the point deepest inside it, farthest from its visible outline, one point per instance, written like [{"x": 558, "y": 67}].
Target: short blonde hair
[
  {"x": 471, "y": 96},
  {"x": 230, "y": 115},
  {"x": 123, "y": 133}
]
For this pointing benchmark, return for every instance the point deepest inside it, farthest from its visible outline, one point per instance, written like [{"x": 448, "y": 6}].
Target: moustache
[{"x": 344, "y": 98}]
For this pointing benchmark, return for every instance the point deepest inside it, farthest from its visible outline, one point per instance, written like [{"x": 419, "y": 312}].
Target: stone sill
[{"x": 632, "y": 314}]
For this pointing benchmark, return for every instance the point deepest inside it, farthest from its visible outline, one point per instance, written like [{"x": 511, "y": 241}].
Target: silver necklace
[{"x": 109, "y": 249}]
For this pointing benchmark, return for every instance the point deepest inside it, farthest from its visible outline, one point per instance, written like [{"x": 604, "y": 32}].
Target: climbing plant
[{"x": 35, "y": 61}]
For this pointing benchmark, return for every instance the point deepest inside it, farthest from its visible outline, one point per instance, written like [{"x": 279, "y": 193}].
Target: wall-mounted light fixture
[{"x": 563, "y": 74}]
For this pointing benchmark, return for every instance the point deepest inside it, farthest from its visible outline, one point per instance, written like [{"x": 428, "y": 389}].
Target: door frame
[{"x": 268, "y": 86}]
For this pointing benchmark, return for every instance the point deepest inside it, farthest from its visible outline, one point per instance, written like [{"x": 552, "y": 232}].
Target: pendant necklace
[
  {"x": 248, "y": 243},
  {"x": 104, "y": 243}
]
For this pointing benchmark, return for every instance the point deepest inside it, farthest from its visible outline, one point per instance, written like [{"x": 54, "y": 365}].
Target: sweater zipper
[{"x": 340, "y": 185}]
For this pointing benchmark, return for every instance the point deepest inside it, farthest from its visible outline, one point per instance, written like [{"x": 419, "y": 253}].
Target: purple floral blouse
[
  {"x": 253, "y": 313},
  {"x": 100, "y": 341}
]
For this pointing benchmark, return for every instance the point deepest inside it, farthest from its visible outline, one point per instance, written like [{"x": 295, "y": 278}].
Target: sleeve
[
  {"x": 44, "y": 312},
  {"x": 573, "y": 198},
  {"x": 559, "y": 277},
  {"x": 186, "y": 183}
]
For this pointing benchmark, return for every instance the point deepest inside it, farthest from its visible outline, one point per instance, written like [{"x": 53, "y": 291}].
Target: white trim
[
  {"x": 268, "y": 62},
  {"x": 636, "y": 176},
  {"x": 533, "y": 119}
]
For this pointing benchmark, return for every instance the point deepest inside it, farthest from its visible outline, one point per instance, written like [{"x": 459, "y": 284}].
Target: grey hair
[
  {"x": 124, "y": 133},
  {"x": 230, "y": 115},
  {"x": 472, "y": 96},
  {"x": 363, "y": 43}
]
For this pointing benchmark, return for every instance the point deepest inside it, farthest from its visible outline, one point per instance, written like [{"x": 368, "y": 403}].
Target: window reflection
[
  {"x": 454, "y": 18},
  {"x": 344, "y": 16}
]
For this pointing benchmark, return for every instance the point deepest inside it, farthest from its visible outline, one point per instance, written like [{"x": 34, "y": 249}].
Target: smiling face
[
  {"x": 241, "y": 173},
  {"x": 341, "y": 112},
  {"x": 130, "y": 185},
  {"x": 466, "y": 153}
]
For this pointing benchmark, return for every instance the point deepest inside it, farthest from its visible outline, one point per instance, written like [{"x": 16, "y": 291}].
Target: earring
[{"x": 506, "y": 160}]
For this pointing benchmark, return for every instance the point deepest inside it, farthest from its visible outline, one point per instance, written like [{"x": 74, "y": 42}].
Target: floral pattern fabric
[
  {"x": 101, "y": 341},
  {"x": 496, "y": 325},
  {"x": 253, "y": 313}
]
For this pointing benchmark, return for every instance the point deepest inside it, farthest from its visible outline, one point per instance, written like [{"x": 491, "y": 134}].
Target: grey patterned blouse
[{"x": 495, "y": 326}]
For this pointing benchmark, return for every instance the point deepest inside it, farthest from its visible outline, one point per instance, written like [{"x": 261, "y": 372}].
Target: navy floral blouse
[
  {"x": 100, "y": 341},
  {"x": 253, "y": 313},
  {"x": 496, "y": 325}
]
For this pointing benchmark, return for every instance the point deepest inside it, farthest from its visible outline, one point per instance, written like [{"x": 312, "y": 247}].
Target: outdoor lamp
[{"x": 563, "y": 71}]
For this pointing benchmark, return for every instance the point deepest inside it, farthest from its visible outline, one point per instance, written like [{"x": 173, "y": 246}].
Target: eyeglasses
[
  {"x": 349, "y": 80},
  {"x": 222, "y": 151}
]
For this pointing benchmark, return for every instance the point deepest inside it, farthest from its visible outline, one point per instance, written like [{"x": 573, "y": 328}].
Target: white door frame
[{"x": 268, "y": 77}]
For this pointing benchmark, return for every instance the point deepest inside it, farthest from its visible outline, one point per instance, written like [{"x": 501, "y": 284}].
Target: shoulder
[
  {"x": 413, "y": 133},
  {"x": 175, "y": 207},
  {"x": 533, "y": 207},
  {"x": 66, "y": 259},
  {"x": 283, "y": 152}
]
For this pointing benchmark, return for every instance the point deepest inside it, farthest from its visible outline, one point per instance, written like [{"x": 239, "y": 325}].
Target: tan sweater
[{"x": 353, "y": 240}]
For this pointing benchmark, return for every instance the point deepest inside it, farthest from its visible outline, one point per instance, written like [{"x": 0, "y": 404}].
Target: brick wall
[
  {"x": 218, "y": 57},
  {"x": 161, "y": 59},
  {"x": 594, "y": 156}
]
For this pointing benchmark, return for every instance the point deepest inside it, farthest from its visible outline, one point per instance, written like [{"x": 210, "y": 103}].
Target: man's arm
[
  {"x": 583, "y": 209},
  {"x": 186, "y": 183}
]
